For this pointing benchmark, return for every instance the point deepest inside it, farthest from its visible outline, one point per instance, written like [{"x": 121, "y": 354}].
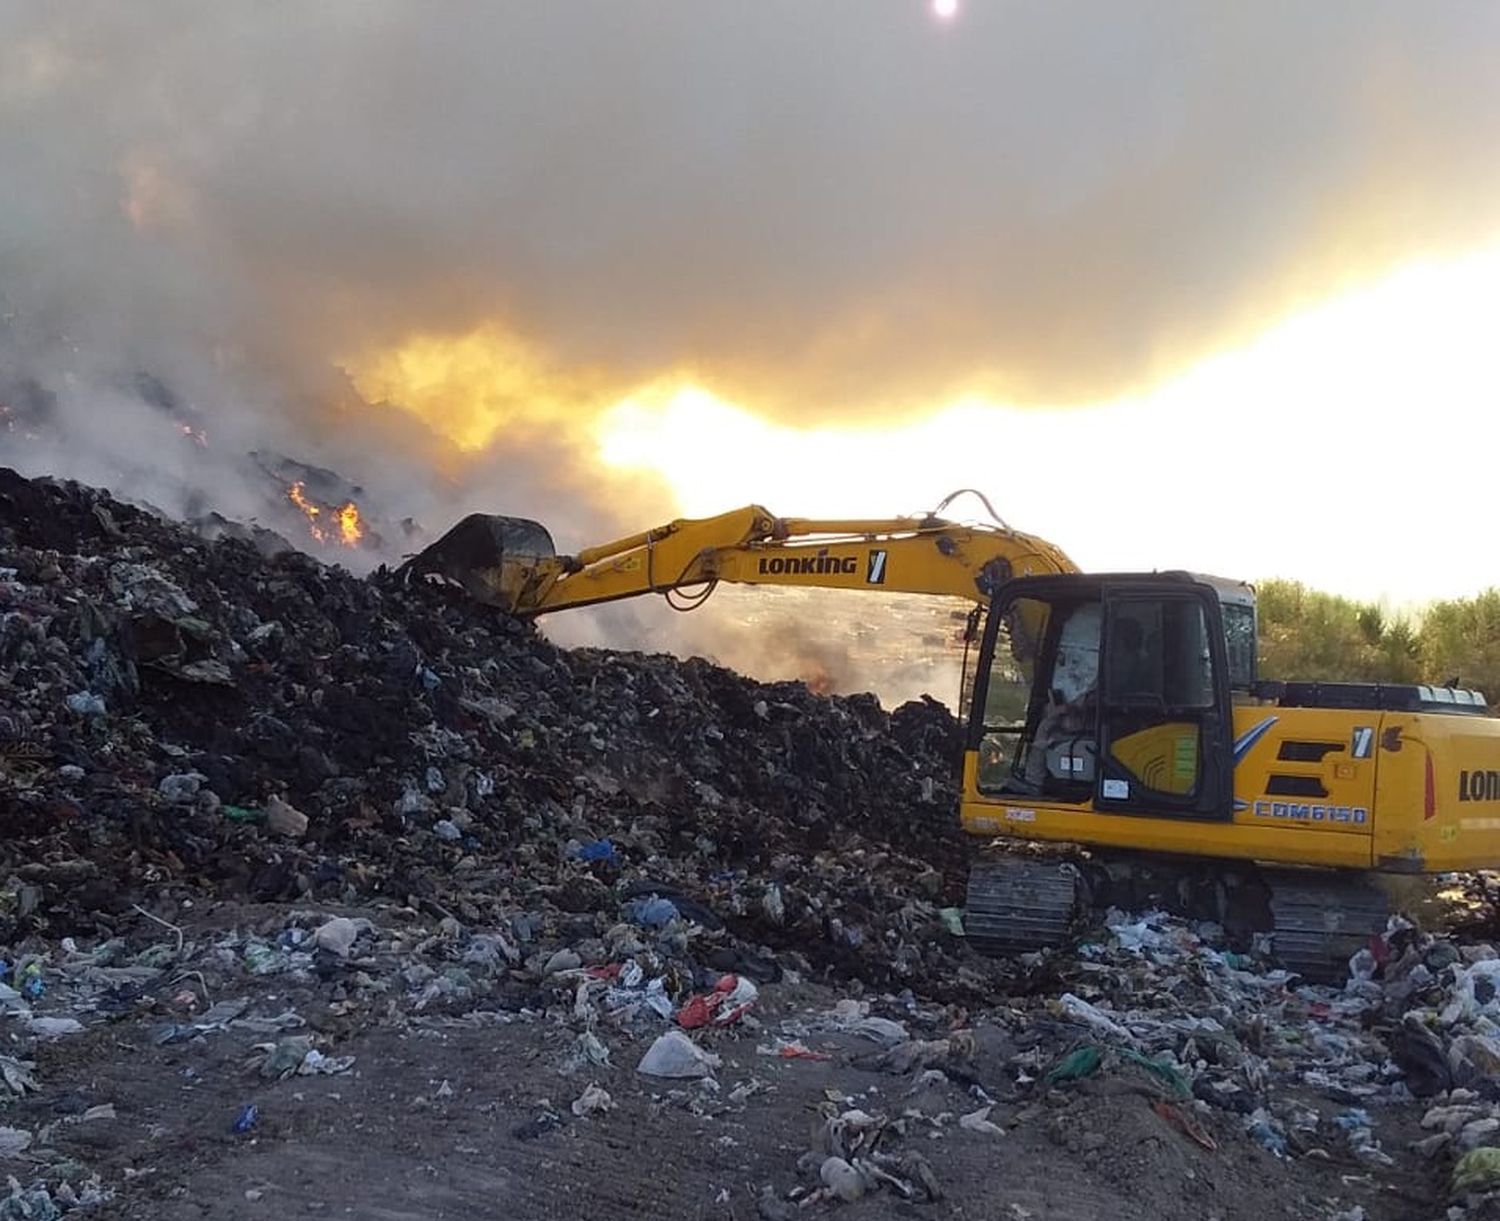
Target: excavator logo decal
[
  {"x": 1242, "y": 745},
  {"x": 1478, "y": 786},
  {"x": 819, "y": 565},
  {"x": 875, "y": 574}
]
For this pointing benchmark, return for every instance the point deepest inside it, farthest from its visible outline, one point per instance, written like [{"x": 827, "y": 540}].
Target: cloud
[{"x": 822, "y": 208}]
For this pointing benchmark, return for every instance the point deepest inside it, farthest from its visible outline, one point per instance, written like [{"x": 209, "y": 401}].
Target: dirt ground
[{"x": 436, "y": 1120}]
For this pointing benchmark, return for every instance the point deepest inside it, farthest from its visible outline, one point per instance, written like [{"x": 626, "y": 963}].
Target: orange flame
[
  {"x": 819, "y": 681},
  {"x": 351, "y": 528},
  {"x": 294, "y": 494}
]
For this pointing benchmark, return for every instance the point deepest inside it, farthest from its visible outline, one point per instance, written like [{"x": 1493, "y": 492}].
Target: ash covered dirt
[{"x": 259, "y": 816}]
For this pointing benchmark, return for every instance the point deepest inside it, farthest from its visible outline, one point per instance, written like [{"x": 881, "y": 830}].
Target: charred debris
[{"x": 159, "y": 689}]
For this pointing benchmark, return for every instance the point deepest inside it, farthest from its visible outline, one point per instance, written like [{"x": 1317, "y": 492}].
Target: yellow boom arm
[{"x": 510, "y": 563}]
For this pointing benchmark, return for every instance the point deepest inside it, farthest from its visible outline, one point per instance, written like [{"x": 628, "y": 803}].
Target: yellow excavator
[{"x": 1117, "y": 735}]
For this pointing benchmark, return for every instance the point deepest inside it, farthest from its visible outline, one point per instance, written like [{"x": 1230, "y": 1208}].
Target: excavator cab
[{"x": 1108, "y": 690}]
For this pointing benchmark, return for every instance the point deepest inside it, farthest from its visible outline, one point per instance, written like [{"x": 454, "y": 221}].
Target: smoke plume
[{"x": 231, "y": 229}]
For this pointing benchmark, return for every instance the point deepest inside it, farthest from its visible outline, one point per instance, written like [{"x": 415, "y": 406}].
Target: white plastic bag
[{"x": 676, "y": 1055}]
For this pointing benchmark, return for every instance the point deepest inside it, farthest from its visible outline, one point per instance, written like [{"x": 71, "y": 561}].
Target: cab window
[{"x": 1041, "y": 704}]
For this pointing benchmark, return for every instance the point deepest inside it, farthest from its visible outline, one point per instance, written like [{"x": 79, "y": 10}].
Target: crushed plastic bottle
[{"x": 1080, "y": 1010}]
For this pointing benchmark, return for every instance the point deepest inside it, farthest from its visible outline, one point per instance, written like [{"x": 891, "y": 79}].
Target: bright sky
[{"x": 1348, "y": 447}]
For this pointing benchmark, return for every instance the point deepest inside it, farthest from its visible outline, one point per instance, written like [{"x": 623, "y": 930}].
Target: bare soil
[{"x": 436, "y": 1121}]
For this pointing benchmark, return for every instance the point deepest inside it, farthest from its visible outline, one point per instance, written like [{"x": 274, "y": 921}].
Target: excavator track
[
  {"x": 1321, "y": 920},
  {"x": 1019, "y": 904}
]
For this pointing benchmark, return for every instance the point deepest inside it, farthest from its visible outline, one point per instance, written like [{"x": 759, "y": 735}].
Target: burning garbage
[
  {"x": 396, "y": 711},
  {"x": 342, "y": 525}
]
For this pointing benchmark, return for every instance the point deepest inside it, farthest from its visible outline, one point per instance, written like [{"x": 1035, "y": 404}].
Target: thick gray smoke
[
  {"x": 826, "y": 210},
  {"x": 839, "y": 203}
]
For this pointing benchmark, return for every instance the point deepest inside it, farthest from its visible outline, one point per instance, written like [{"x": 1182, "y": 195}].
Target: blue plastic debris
[
  {"x": 1265, "y": 1130},
  {"x": 653, "y": 911},
  {"x": 249, "y": 1116},
  {"x": 598, "y": 850},
  {"x": 1353, "y": 1119},
  {"x": 86, "y": 703}
]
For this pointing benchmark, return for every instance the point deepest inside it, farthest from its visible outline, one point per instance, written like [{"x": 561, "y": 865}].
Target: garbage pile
[
  {"x": 1222, "y": 1045},
  {"x": 1435, "y": 1002},
  {"x": 185, "y": 716},
  {"x": 624, "y": 851}
]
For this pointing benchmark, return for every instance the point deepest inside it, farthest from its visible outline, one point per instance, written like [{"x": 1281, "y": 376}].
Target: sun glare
[
  {"x": 945, "y": 9},
  {"x": 472, "y": 389},
  {"x": 1332, "y": 448}
]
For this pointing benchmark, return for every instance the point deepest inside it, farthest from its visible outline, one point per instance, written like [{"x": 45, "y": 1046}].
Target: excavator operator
[{"x": 1064, "y": 734}]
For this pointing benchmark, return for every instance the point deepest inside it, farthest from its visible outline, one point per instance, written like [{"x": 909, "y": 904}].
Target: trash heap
[
  {"x": 1435, "y": 1001},
  {"x": 1216, "y": 1040},
  {"x": 182, "y": 716},
  {"x": 1220, "y": 1027},
  {"x": 623, "y": 850}
]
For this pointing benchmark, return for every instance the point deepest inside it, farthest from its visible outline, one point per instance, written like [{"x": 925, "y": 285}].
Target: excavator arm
[{"x": 511, "y": 562}]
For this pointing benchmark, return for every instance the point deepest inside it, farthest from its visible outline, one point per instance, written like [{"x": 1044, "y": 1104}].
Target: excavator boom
[{"x": 511, "y": 563}]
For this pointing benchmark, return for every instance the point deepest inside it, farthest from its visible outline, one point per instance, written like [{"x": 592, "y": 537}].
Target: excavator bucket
[{"x": 473, "y": 555}]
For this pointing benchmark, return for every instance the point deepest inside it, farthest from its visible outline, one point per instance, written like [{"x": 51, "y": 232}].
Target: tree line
[{"x": 1305, "y": 633}]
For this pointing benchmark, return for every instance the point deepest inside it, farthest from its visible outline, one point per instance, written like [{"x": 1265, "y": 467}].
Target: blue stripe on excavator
[{"x": 1242, "y": 746}]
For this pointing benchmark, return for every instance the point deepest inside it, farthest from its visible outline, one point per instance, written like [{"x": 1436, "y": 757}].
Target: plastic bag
[
  {"x": 730, "y": 1000},
  {"x": 676, "y": 1055},
  {"x": 1476, "y": 991},
  {"x": 1083, "y": 1062},
  {"x": 1077, "y": 1007},
  {"x": 1477, "y": 1170}
]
